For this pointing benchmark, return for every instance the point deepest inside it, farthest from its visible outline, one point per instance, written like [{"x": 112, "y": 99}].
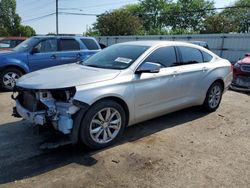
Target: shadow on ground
[{"x": 20, "y": 157}]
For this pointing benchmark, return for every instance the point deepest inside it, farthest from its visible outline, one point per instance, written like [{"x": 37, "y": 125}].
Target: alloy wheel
[
  {"x": 105, "y": 125},
  {"x": 214, "y": 96},
  {"x": 9, "y": 80}
]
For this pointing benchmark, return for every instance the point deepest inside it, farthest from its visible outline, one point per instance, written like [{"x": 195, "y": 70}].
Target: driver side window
[
  {"x": 49, "y": 45},
  {"x": 165, "y": 56}
]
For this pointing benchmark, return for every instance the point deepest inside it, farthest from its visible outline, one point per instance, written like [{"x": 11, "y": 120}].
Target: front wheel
[
  {"x": 9, "y": 77},
  {"x": 213, "y": 97},
  {"x": 103, "y": 124}
]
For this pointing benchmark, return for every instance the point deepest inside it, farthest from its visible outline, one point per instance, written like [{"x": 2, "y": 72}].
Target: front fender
[
  {"x": 122, "y": 91},
  {"x": 20, "y": 62}
]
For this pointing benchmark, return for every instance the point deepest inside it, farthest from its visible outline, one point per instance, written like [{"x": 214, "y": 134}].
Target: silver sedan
[{"x": 127, "y": 83}]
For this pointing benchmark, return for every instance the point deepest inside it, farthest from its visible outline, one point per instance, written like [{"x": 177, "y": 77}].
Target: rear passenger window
[
  {"x": 165, "y": 56},
  {"x": 206, "y": 57},
  {"x": 69, "y": 45},
  {"x": 190, "y": 55},
  {"x": 18, "y": 42},
  {"x": 90, "y": 44}
]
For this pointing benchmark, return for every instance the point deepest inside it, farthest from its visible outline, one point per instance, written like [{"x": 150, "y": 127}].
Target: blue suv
[{"x": 42, "y": 52}]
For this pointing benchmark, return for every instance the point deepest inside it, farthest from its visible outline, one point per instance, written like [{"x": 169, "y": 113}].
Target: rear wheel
[
  {"x": 9, "y": 77},
  {"x": 103, "y": 124},
  {"x": 213, "y": 97}
]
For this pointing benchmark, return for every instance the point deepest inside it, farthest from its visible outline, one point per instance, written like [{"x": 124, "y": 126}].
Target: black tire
[
  {"x": 207, "y": 105},
  {"x": 91, "y": 114},
  {"x": 10, "y": 71}
]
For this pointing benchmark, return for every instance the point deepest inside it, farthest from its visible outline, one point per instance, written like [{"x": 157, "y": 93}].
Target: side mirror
[
  {"x": 149, "y": 67},
  {"x": 34, "y": 50}
]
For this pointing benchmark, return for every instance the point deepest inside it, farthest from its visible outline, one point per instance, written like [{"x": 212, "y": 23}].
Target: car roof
[
  {"x": 152, "y": 43},
  {"x": 196, "y": 41},
  {"x": 62, "y": 36},
  {"x": 13, "y": 38}
]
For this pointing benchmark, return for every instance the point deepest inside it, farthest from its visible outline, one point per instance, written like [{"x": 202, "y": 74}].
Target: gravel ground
[{"x": 188, "y": 148}]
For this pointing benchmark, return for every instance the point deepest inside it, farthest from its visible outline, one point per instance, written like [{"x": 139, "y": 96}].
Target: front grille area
[
  {"x": 245, "y": 68},
  {"x": 28, "y": 100}
]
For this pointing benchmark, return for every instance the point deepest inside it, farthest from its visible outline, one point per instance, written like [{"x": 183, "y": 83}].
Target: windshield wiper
[
  {"x": 93, "y": 66},
  {"x": 79, "y": 62}
]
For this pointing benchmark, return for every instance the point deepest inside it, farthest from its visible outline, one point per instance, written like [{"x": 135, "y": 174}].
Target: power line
[
  {"x": 77, "y": 14},
  {"x": 86, "y": 14},
  {"x": 38, "y": 13},
  {"x": 40, "y": 17},
  {"x": 211, "y": 9}
]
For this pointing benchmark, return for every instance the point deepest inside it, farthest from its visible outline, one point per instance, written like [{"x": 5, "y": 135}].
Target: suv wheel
[
  {"x": 9, "y": 77},
  {"x": 213, "y": 97},
  {"x": 103, "y": 124}
]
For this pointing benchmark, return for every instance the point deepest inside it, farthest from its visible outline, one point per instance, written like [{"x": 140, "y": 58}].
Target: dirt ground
[{"x": 188, "y": 148}]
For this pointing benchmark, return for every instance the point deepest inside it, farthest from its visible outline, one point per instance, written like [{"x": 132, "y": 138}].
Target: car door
[
  {"x": 157, "y": 93},
  {"x": 44, "y": 54},
  {"x": 69, "y": 51},
  {"x": 195, "y": 67}
]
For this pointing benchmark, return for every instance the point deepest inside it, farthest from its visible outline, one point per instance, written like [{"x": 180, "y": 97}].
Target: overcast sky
[{"x": 29, "y": 9}]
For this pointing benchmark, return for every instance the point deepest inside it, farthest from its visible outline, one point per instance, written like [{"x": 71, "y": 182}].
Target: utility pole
[{"x": 56, "y": 17}]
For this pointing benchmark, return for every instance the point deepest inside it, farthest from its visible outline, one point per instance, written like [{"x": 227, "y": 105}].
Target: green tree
[
  {"x": 154, "y": 14},
  {"x": 91, "y": 32},
  {"x": 26, "y": 31},
  {"x": 10, "y": 22},
  {"x": 134, "y": 9},
  {"x": 239, "y": 17},
  {"x": 218, "y": 23},
  {"x": 190, "y": 14},
  {"x": 167, "y": 16},
  {"x": 118, "y": 22}
]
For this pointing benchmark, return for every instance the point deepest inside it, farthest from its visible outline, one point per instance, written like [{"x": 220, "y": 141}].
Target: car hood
[
  {"x": 4, "y": 52},
  {"x": 65, "y": 76},
  {"x": 245, "y": 60}
]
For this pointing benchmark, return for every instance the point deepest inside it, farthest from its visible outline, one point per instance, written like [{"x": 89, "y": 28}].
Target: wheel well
[
  {"x": 16, "y": 67},
  {"x": 221, "y": 82},
  {"x": 121, "y": 102}
]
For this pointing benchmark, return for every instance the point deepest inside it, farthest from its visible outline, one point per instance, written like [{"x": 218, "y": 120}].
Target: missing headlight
[{"x": 63, "y": 94}]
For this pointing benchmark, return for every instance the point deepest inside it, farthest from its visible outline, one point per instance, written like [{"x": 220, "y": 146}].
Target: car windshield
[
  {"x": 119, "y": 56},
  {"x": 26, "y": 45}
]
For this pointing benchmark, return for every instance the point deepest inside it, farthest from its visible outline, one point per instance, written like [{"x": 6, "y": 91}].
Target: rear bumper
[{"x": 37, "y": 118}]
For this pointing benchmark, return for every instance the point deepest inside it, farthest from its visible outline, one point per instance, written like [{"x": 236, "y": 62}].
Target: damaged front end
[{"x": 53, "y": 106}]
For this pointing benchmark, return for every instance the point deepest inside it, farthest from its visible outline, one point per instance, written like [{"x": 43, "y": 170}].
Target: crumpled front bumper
[
  {"x": 37, "y": 118},
  {"x": 241, "y": 81}
]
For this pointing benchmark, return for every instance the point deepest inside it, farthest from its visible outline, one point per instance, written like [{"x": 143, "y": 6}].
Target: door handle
[
  {"x": 53, "y": 56},
  {"x": 175, "y": 73},
  {"x": 204, "y": 69},
  {"x": 78, "y": 55}
]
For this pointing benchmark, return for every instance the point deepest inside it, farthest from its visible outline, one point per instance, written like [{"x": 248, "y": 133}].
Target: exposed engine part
[
  {"x": 46, "y": 98},
  {"x": 65, "y": 124},
  {"x": 54, "y": 106},
  {"x": 35, "y": 117}
]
